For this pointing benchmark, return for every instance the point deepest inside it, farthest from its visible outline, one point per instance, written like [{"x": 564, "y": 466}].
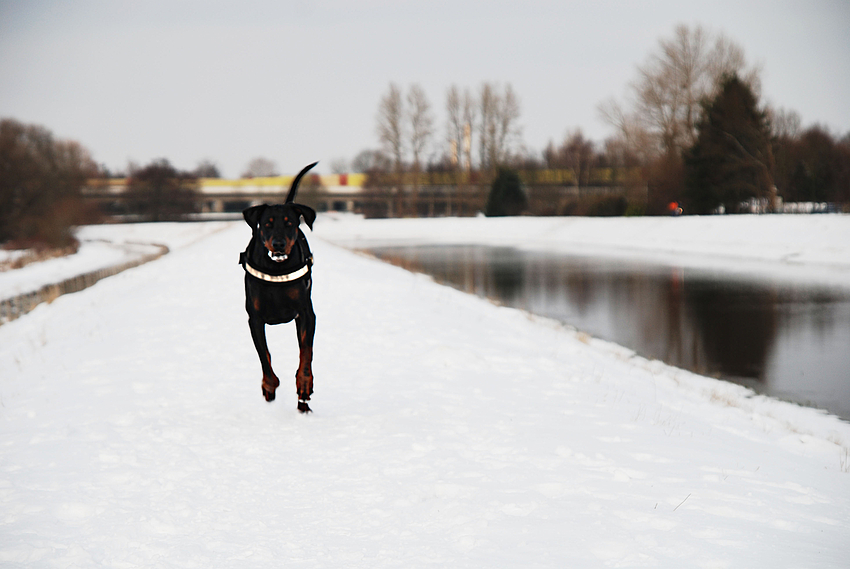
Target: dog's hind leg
[
  {"x": 258, "y": 334},
  {"x": 306, "y": 328}
]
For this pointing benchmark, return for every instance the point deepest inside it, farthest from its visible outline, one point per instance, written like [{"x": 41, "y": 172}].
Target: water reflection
[{"x": 789, "y": 341}]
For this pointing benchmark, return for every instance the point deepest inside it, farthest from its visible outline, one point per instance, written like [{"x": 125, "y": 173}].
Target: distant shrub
[
  {"x": 635, "y": 210},
  {"x": 609, "y": 207},
  {"x": 159, "y": 192}
]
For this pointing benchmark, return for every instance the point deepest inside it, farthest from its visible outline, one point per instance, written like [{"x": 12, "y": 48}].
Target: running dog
[{"x": 278, "y": 281}]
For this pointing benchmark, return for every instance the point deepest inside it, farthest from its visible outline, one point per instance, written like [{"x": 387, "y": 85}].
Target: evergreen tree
[
  {"x": 506, "y": 195},
  {"x": 732, "y": 158}
]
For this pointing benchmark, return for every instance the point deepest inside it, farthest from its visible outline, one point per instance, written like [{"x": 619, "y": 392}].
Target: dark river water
[{"x": 787, "y": 340}]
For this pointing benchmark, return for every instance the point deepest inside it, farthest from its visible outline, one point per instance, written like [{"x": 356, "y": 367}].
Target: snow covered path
[{"x": 447, "y": 432}]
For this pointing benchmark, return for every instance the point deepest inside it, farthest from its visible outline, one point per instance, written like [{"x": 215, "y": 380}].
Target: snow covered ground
[
  {"x": 101, "y": 246},
  {"x": 447, "y": 431}
]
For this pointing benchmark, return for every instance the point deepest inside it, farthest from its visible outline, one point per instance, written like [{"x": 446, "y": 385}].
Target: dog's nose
[{"x": 278, "y": 245}]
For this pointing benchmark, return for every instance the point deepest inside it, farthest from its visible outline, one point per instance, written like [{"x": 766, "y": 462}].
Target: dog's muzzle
[{"x": 278, "y": 257}]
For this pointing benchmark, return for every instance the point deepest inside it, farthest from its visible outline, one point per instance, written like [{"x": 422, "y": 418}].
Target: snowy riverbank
[
  {"x": 447, "y": 431},
  {"x": 807, "y": 247}
]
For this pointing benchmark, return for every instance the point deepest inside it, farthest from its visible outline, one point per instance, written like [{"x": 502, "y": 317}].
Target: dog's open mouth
[{"x": 278, "y": 257}]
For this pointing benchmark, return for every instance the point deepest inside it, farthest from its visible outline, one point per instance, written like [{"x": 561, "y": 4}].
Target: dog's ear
[
  {"x": 307, "y": 212},
  {"x": 252, "y": 215}
]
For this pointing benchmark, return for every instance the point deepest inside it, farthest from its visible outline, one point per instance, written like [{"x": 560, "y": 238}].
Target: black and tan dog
[{"x": 278, "y": 282}]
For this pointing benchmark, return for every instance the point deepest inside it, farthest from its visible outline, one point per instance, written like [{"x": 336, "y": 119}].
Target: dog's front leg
[
  {"x": 306, "y": 328},
  {"x": 270, "y": 380}
]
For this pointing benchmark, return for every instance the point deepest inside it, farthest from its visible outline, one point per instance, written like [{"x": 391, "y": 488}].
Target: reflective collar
[{"x": 276, "y": 278}]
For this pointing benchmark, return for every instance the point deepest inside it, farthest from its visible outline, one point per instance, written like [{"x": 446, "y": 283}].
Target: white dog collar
[{"x": 277, "y": 278}]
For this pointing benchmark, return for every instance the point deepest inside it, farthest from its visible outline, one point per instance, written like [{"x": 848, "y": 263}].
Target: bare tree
[
  {"x": 454, "y": 125},
  {"x": 632, "y": 133},
  {"x": 726, "y": 59},
  {"x": 469, "y": 118},
  {"x": 497, "y": 128},
  {"x": 487, "y": 126},
  {"x": 508, "y": 132},
  {"x": 421, "y": 129},
  {"x": 339, "y": 166},
  {"x": 576, "y": 153},
  {"x": 206, "y": 169},
  {"x": 421, "y": 123},
  {"x": 391, "y": 125},
  {"x": 785, "y": 123},
  {"x": 260, "y": 168},
  {"x": 369, "y": 161},
  {"x": 672, "y": 84},
  {"x": 460, "y": 112}
]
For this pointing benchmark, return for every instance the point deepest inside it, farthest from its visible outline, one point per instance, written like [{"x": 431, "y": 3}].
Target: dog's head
[{"x": 276, "y": 226}]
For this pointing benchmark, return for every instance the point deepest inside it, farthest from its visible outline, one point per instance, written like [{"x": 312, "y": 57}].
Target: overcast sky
[{"x": 299, "y": 81}]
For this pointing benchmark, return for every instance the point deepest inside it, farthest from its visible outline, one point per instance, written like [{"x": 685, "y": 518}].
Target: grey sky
[{"x": 301, "y": 81}]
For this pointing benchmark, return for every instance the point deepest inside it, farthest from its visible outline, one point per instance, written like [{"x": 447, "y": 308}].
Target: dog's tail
[{"x": 290, "y": 197}]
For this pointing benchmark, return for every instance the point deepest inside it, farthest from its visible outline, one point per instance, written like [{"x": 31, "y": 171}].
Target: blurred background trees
[
  {"x": 41, "y": 182},
  {"x": 260, "y": 168},
  {"x": 813, "y": 166},
  {"x": 576, "y": 153},
  {"x": 159, "y": 192},
  {"x": 206, "y": 169}
]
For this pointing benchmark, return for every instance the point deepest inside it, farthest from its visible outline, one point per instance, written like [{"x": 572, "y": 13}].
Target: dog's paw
[
  {"x": 269, "y": 395},
  {"x": 303, "y": 407}
]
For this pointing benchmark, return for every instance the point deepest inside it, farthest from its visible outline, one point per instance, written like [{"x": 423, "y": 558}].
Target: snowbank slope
[{"x": 810, "y": 247}]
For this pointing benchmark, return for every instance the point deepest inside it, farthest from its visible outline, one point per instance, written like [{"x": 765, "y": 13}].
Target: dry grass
[{"x": 36, "y": 254}]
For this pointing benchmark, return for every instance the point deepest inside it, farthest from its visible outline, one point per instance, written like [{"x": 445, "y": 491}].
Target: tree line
[
  {"x": 42, "y": 182},
  {"x": 694, "y": 122},
  {"x": 691, "y": 124}
]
